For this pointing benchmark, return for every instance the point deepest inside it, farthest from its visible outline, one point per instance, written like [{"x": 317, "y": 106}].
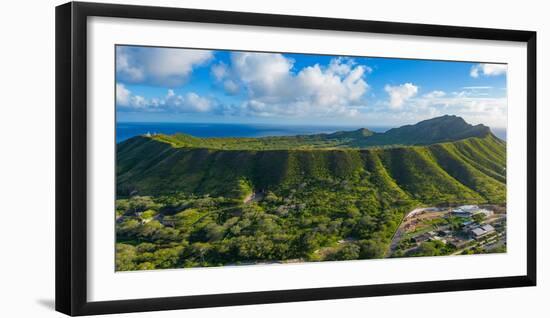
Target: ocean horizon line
[{"x": 126, "y": 130}]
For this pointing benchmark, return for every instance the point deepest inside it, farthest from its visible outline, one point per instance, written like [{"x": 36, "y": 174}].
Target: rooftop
[
  {"x": 478, "y": 231},
  {"x": 468, "y": 208}
]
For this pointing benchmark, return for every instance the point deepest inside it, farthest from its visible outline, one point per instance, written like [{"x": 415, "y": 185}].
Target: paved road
[{"x": 401, "y": 228}]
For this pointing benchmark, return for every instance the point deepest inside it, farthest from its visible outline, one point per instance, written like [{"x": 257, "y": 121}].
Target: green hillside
[
  {"x": 471, "y": 169},
  {"x": 215, "y": 201},
  {"x": 435, "y": 130}
]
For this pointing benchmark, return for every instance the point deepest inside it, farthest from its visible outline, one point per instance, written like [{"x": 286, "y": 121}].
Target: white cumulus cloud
[
  {"x": 122, "y": 95},
  {"x": 220, "y": 71},
  {"x": 435, "y": 94},
  {"x": 400, "y": 94},
  {"x": 224, "y": 75},
  {"x": 265, "y": 75},
  {"x": 186, "y": 103},
  {"x": 475, "y": 109},
  {"x": 271, "y": 85},
  {"x": 125, "y": 98},
  {"x": 231, "y": 87},
  {"x": 488, "y": 70},
  {"x": 274, "y": 88},
  {"x": 158, "y": 66}
]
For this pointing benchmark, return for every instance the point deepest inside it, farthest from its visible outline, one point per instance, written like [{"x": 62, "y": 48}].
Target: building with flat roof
[
  {"x": 467, "y": 211},
  {"x": 482, "y": 231},
  {"x": 458, "y": 242},
  {"x": 458, "y": 212},
  {"x": 469, "y": 208},
  {"x": 422, "y": 238}
]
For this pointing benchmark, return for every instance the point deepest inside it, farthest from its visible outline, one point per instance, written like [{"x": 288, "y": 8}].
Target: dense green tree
[
  {"x": 347, "y": 252},
  {"x": 479, "y": 217},
  {"x": 125, "y": 255}
]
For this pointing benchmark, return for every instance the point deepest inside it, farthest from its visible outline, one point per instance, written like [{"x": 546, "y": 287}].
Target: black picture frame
[{"x": 71, "y": 157}]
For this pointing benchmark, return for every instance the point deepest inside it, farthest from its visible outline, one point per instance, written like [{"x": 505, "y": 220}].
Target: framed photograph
[{"x": 208, "y": 158}]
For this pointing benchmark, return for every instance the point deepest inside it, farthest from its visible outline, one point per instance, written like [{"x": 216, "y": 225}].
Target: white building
[
  {"x": 464, "y": 211},
  {"x": 470, "y": 210},
  {"x": 487, "y": 213},
  {"x": 461, "y": 213},
  {"x": 482, "y": 231}
]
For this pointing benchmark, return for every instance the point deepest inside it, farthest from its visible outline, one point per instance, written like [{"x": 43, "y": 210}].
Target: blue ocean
[
  {"x": 126, "y": 130},
  {"x": 129, "y": 130}
]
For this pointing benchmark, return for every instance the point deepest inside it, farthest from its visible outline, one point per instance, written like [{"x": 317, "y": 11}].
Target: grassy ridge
[
  {"x": 436, "y": 130},
  {"x": 468, "y": 170},
  {"x": 265, "y": 143}
]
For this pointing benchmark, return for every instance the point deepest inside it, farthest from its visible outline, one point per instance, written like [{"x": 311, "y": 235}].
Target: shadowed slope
[{"x": 469, "y": 170}]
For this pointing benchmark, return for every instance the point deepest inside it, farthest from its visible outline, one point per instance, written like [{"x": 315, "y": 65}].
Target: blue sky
[{"x": 188, "y": 85}]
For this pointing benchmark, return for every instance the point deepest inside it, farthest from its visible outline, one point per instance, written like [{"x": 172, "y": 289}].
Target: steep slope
[
  {"x": 435, "y": 130},
  {"x": 468, "y": 170},
  {"x": 418, "y": 174},
  {"x": 486, "y": 180}
]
